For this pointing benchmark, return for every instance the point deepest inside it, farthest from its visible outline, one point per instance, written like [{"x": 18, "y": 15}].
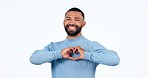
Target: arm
[
  {"x": 45, "y": 55},
  {"x": 101, "y": 55}
]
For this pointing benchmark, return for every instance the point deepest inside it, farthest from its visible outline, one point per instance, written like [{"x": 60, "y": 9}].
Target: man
[{"x": 76, "y": 56}]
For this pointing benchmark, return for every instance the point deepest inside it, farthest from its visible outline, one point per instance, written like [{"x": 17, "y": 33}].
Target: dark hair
[{"x": 76, "y": 9}]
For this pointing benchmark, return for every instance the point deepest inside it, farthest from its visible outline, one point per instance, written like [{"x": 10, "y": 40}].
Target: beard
[{"x": 72, "y": 32}]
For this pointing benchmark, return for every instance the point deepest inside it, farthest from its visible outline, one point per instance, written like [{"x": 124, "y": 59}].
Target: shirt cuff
[
  {"x": 57, "y": 54},
  {"x": 87, "y": 55}
]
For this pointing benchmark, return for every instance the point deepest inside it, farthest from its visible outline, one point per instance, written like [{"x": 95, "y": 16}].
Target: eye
[
  {"x": 67, "y": 19},
  {"x": 77, "y": 19}
]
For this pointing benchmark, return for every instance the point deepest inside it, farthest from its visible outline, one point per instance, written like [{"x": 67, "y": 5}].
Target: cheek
[
  {"x": 65, "y": 22},
  {"x": 79, "y": 24}
]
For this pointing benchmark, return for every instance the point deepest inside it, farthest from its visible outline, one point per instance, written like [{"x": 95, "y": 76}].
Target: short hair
[{"x": 76, "y": 9}]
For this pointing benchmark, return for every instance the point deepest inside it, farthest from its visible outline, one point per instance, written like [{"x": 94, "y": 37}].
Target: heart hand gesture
[{"x": 66, "y": 53}]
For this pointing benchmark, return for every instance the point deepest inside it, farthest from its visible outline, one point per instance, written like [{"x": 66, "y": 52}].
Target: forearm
[
  {"x": 106, "y": 57},
  {"x": 43, "y": 56}
]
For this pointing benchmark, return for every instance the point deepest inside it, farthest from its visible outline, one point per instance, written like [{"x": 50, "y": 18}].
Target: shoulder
[
  {"x": 94, "y": 44},
  {"x": 54, "y": 44},
  {"x": 91, "y": 42}
]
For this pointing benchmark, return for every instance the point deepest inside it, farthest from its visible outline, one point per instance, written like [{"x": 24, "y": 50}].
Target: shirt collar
[{"x": 75, "y": 39}]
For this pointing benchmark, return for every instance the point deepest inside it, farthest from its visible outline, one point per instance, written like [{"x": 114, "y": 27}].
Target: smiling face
[{"x": 73, "y": 23}]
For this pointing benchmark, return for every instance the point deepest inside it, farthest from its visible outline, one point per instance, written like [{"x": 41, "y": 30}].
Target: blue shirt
[{"x": 94, "y": 55}]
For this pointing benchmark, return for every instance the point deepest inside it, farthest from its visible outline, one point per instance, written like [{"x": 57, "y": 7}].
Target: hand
[
  {"x": 81, "y": 51},
  {"x": 66, "y": 53}
]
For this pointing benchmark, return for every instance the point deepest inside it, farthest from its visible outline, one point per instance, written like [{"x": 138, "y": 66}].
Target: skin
[{"x": 75, "y": 18}]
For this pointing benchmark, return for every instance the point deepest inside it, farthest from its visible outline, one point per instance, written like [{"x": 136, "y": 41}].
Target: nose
[{"x": 72, "y": 22}]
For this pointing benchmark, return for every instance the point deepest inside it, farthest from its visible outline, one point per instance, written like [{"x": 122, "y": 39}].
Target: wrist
[{"x": 87, "y": 55}]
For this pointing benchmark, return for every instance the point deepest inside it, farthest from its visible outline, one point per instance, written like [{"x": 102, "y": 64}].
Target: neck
[{"x": 72, "y": 37}]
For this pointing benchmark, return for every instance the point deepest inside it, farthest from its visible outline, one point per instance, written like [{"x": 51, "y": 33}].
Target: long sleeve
[
  {"x": 101, "y": 55},
  {"x": 45, "y": 55}
]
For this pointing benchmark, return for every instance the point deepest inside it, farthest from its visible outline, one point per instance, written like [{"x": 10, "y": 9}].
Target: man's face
[{"x": 73, "y": 23}]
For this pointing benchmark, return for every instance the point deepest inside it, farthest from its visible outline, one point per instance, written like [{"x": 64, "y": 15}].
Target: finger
[
  {"x": 75, "y": 50},
  {"x": 78, "y": 58},
  {"x": 70, "y": 51},
  {"x": 74, "y": 59},
  {"x": 78, "y": 48},
  {"x": 72, "y": 48},
  {"x": 71, "y": 58}
]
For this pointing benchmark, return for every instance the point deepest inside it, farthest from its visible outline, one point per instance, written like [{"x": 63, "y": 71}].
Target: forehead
[{"x": 74, "y": 14}]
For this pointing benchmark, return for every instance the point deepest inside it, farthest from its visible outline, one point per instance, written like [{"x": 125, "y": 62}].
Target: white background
[{"x": 28, "y": 25}]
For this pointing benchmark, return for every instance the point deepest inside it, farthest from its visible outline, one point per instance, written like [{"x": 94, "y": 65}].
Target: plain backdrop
[{"x": 29, "y": 25}]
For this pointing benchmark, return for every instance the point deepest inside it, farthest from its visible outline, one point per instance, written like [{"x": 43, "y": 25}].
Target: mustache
[{"x": 72, "y": 25}]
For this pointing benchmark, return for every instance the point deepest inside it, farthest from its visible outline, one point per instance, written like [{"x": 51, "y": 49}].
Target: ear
[{"x": 83, "y": 23}]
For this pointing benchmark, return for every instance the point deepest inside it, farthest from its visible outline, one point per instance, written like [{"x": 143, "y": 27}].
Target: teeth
[{"x": 71, "y": 27}]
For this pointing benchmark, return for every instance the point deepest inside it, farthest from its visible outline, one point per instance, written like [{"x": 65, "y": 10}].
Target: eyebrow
[
  {"x": 77, "y": 17},
  {"x": 70, "y": 17},
  {"x": 67, "y": 17}
]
